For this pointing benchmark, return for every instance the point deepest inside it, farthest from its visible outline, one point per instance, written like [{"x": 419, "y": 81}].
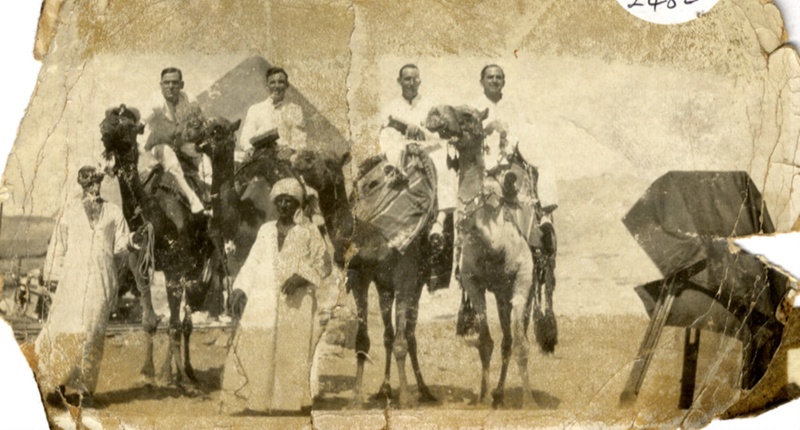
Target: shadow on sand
[
  {"x": 209, "y": 380},
  {"x": 338, "y": 394}
]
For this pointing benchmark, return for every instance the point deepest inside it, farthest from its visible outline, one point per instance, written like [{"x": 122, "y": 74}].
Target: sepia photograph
[{"x": 417, "y": 215}]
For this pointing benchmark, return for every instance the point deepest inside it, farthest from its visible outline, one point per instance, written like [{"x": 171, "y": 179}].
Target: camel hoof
[
  {"x": 190, "y": 390},
  {"x": 498, "y": 399},
  {"x": 146, "y": 380},
  {"x": 385, "y": 391},
  {"x": 148, "y": 372},
  {"x": 166, "y": 379},
  {"x": 189, "y": 371},
  {"x": 425, "y": 396}
]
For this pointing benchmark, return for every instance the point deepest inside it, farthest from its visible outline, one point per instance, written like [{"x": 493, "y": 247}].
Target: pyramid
[{"x": 245, "y": 85}]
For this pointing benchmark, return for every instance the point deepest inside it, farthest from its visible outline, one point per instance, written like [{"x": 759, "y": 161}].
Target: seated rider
[
  {"x": 401, "y": 122},
  {"x": 502, "y": 128},
  {"x": 275, "y": 120},
  {"x": 166, "y": 124}
]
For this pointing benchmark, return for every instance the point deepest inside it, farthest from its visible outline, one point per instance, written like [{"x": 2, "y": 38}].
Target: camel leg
[
  {"x": 522, "y": 289},
  {"x": 149, "y": 320},
  {"x": 485, "y": 348},
  {"x": 360, "y": 293},
  {"x": 173, "y": 361},
  {"x": 386, "y": 299},
  {"x": 406, "y": 284},
  {"x": 485, "y": 343},
  {"x": 546, "y": 327},
  {"x": 186, "y": 329},
  {"x": 504, "y": 313},
  {"x": 425, "y": 395},
  {"x": 400, "y": 350}
]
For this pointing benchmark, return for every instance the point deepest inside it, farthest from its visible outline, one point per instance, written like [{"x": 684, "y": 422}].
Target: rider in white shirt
[
  {"x": 165, "y": 126},
  {"x": 402, "y": 121},
  {"x": 505, "y": 131},
  {"x": 275, "y": 115}
]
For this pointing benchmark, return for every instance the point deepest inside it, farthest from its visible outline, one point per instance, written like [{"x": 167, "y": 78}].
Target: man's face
[
  {"x": 277, "y": 85},
  {"x": 171, "y": 86},
  {"x": 409, "y": 81},
  {"x": 287, "y": 206},
  {"x": 92, "y": 190},
  {"x": 493, "y": 80}
]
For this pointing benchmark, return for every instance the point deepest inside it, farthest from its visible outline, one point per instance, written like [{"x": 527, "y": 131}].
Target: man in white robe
[
  {"x": 87, "y": 236},
  {"x": 283, "y": 279}
]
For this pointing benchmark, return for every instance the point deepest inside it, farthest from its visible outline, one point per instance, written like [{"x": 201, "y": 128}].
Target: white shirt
[
  {"x": 513, "y": 117},
  {"x": 262, "y": 117},
  {"x": 177, "y": 114},
  {"x": 391, "y": 141},
  {"x": 505, "y": 112}
]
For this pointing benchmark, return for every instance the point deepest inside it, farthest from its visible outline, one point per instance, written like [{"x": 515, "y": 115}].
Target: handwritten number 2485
[{"x": 671, "y": 4}]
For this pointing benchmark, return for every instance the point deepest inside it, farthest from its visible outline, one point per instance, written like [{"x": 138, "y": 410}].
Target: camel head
[
  {"x": 118, "y": 132},
  {"x": 461, "y": 126},
  {"x": 318, "y": 168},
  {"x": 213, "y": 136},
  {"x": 194, "y": 127}
]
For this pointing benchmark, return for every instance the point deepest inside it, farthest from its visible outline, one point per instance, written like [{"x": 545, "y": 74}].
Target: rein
[{"x": 145, "y": 263}]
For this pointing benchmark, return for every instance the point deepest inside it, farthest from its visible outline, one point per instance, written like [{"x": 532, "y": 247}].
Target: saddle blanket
[{"x": 399, "y": 204}]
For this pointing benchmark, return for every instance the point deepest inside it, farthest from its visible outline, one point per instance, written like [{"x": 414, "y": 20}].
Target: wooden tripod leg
[
  {"x": 691, "y": 350},
  {"x": 647, "y": 348}
]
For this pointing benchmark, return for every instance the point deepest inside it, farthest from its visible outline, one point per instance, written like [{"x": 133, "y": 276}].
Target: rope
[{"x": 145, "y": 264}]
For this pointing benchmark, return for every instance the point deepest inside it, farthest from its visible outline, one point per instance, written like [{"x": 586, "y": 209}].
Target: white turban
[
  {"x": 293, "y": 188},
  {"x": 288, "y": 186}
]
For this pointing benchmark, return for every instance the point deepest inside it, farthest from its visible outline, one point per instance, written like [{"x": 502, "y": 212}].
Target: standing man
[
  {"x": 88, "y": 235},
  {"x": 402, "y": 123},
  {"x": 164, "y": 142},
  {"x": 273, "y": 120}
]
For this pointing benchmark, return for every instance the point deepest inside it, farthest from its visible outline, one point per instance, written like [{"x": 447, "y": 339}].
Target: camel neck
[{"x": 471, "y": 169}]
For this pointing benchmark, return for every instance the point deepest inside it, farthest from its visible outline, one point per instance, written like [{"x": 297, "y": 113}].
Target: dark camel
[{"x": 180, "y": 246}]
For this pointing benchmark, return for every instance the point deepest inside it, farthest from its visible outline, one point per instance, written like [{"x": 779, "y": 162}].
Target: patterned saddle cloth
[{"x": 397, "y": 202}]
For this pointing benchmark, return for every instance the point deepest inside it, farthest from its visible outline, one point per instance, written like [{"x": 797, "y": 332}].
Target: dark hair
[
  {"x": 485, "y": 68},
  {"x": 407, "y": 66},
  {"x": 88, "y": 175},
  {"x": 275, "y": 70},
  {"x": 172, "y": 70}
]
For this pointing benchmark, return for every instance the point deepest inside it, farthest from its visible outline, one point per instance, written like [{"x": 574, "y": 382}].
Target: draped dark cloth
[{"x": 397, "y": 208}]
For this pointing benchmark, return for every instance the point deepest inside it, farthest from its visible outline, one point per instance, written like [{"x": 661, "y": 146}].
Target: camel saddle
[
  {"x": 398, "y": 202},
  {"x": 157, "y": 178}
]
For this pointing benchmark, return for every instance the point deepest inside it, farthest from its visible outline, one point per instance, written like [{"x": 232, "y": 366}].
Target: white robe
[
  {"x": 70, "y": 345},
  {"x": 269, "y": 361}
]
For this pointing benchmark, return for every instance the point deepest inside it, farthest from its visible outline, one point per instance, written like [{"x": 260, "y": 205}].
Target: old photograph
[{"x": 425, "y": 214}]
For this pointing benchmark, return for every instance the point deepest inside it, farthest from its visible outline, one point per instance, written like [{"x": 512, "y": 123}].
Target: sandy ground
[
  {"x": 578, "y": 386},
  {"x": 601, "y": 325}
]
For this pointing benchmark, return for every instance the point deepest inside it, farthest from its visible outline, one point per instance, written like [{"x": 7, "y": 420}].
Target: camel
[
  {"x": 175, "y": 242},
  {"x": 495, "y": 256},
  {"x": 366, "y": 254},
  {"x": 236, "y": 218}
]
